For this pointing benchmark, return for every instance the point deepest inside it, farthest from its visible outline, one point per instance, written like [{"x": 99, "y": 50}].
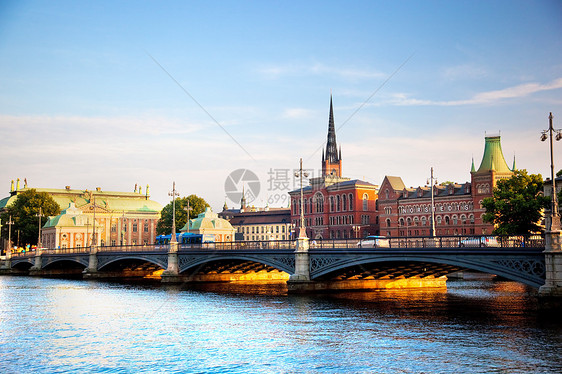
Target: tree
[
  {"x": 197, "y": 205},
  {"x": 24, "y": 213},
  {"x": 516, "y": 205}
]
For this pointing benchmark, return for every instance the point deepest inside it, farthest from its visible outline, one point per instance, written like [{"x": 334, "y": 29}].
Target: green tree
[
  {"x": 197, "y": 205},
  {"x": 516, "y": 205},
  {"x": 24, "y": 213}
]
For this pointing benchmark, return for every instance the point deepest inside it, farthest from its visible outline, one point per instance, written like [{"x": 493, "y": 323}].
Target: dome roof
[{"x": 208, "y": 220}]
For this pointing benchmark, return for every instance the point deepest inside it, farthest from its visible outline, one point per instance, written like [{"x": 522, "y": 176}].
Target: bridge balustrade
[
  {"x": 448, "y": 242},
  {"x": 134, "y": 248}
]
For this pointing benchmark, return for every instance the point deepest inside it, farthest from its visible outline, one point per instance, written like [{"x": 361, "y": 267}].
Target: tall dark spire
[{"x": 331, "y": 146}]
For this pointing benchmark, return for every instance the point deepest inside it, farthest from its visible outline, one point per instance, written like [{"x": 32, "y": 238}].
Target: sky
[{"x": 111, "y": 94}]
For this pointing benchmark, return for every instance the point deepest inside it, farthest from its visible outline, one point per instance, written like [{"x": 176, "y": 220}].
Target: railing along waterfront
[{"x": 444, "y": 242}]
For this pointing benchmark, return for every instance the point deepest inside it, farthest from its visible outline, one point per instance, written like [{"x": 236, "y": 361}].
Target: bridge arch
[
  {"x": 281, "y": 263},
  {"x": 529, "y": 271},
  {"x": 105, "y": 261}
]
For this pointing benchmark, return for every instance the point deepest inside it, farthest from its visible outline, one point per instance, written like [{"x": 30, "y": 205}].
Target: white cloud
[
  {"x": 275, "y": 72},
  {"x": 489, "y": 97},
  {"x": 464, "y": 72},
  {"x": 299, "y": 113}
]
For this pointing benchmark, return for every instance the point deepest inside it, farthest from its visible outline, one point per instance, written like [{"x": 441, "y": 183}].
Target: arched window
[
  {"x": 447, "y": 221},
  {"x": 401, "y": 222},
  {"x": 388, "y": 222},
  {"x": 319, "y": 202},
  {"x": 344, "y": 202},
  {"x": 365, "y": 202},
  {"x": 332, "y": 204},
  {"x": 386, "y": 193},
  {"x": 338, "y": 203},
  {"x": 350, "y": 202}
]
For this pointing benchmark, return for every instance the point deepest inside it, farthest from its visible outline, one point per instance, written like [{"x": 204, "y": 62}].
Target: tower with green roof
[{"x": 493, "y": 167}]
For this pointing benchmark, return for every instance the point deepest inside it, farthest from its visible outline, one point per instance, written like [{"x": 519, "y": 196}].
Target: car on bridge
[
  {"x": 374, "y": 241},
  {"x": 479, "y": 241}
]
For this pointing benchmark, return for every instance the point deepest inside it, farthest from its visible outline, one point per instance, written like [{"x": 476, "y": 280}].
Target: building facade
[
  {"x": 405, "y": 212},
  {"x": 335, "y": 207},
  {"x": 209, "y": 223},
  {"x": 119, "y": 218}
]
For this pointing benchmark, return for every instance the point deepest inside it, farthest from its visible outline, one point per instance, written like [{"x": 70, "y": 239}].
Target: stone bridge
[{"x": 322, "y": 266}]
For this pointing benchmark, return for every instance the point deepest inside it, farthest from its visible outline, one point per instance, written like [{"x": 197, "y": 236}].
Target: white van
[{"x": 374, "y": 241}]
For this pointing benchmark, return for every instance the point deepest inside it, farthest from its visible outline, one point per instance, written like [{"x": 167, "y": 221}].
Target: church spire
[
  {"x": 331, "y": 146},
  {"x": 331, "y": 160}
]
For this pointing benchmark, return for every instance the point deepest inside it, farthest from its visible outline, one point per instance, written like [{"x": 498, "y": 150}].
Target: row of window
[
  {"x": 261, "y": 228},
  {"x": 426, "y": 208},
  {"x": 134, "y": 229},
  {"x": 265, "y": 237},
  {"x": 463, "y": 231},
  {"x": 337, "y": 203},
  {"x": 454, "y": 220}
]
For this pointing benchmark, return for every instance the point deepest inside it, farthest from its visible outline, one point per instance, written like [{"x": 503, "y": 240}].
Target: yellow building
[{"x": 121, "y": 218}]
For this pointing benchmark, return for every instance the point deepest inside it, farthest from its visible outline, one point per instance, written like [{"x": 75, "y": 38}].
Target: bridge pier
[
  {"x": 300, "y": 282},
  {"x": 172, "y": 272},
  {"x": 552, "y": 287},
  {"x": 92, "y": 269},
  {"x": 36, "y": 269}
]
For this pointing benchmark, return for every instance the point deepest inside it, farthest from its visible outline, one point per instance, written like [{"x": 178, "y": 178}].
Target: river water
[{"x": 75, "y": 326}]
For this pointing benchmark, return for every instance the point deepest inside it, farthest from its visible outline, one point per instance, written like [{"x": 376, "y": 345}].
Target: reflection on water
[{"x": 56, "y": 326}]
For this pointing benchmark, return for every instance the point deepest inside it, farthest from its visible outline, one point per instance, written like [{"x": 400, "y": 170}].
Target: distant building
[
  {"x": 406, "y": 212},
  {"x": 210, "y": 223},
  {"x": 336, "y": 207},
  {"x": 259, "y": 224},
  {"x": 121, "y": 218}
]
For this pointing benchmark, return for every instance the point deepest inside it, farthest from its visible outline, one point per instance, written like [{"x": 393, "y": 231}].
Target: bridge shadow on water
[{"x": 479, "y": 300}]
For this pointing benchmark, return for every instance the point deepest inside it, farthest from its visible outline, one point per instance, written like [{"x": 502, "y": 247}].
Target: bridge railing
[
  {"x": 134, "y": 248},
  {"x": 446, "y": 242}
]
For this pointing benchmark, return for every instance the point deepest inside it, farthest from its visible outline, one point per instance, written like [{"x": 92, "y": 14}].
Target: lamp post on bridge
[
  {"x": 39, "y": 215},
  {"x": 171, "y": 274},
  {"x": 173, "y": 194},
  {"x": 431, "y": 181},
  {"x": 300, "y": 280},
  {"x": 9, "y": 251},
  {"x": 187, "y": 209},
  {"x": 302, "y": 228},
  {"x": 554, "y": 214},
  {"x": 552, "y": 287}
]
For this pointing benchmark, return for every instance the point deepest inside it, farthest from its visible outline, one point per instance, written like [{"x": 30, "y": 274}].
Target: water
[{"x": 476, "y": 326}]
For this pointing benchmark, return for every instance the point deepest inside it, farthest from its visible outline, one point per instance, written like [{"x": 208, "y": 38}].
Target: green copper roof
[
  {"x": 493, "y": 157},
  {"x": 112, "y": 201},
  {"x": 207, "y": 220}
]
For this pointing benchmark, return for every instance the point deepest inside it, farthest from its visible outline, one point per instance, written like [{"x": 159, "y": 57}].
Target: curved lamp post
[{"x": 554, "y": 214}]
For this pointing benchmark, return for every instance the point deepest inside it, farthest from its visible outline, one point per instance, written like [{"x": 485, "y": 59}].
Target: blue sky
[{"x": 113, "y": 93}]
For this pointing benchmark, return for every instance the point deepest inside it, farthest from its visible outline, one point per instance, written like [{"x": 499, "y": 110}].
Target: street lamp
[
  {"x": 174, "y": 193},
  {"x": 39, "y": 215},
  {"x": 431, "y": 181},
  {"x": 187, "y": 209},
  {"x": 554, "y": 215},
  {"x": 300, "y": 173},
  {"x": 9, "y": 223}
]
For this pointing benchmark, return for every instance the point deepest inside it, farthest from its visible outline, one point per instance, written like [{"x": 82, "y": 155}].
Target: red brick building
[
  {"x": 405, "y": 212},
  {"x": 335, "y": 207}
]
